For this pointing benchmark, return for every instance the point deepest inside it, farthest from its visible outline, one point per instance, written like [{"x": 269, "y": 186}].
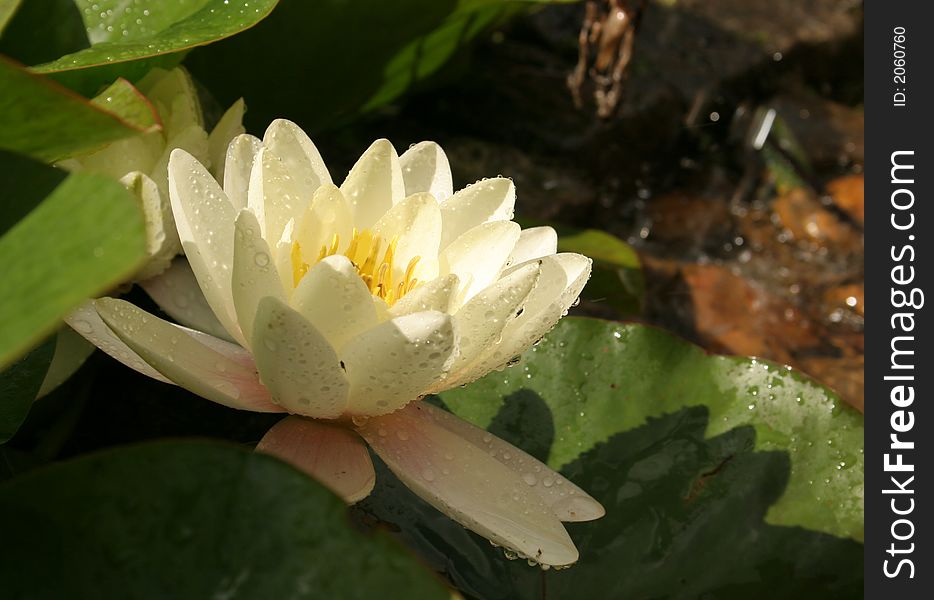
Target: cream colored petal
[
  {"x": 562, "y": 279},
  {"x": 425, "y": 168},
  {"x": 477, "y": 257},
  {"x": 175, "y": 89},
  {"x": 71, "y": 352},
  {"x": 296, "y": 362},
  {"x": 254, "y": 272},
  {"x": 192, "y": 140},
  {"x": 566, "y": 500},
  {"x": 334, "y": 455},
  {"x": 162, "y": 243},
  {"x": 205, "y": 221},
  {"x": 467, "y": 484},
  {"x": 484, "y": 201},
  {"x": 238, "y": 166},
  {"x": 327, "y": 215},
  {"x": 229, "y": 127},
  {"x": 219, "y": 371},
  {"x": 301, "y": 158},
  {"x": 533, "y": 243},
  {"x": 89, "y": 325},
  {"x": 177, "y": 292},
  {"x": 275, "y": 195},
  {"x": 433, "y": 295},
  {"x": 336, "y": 301},
  {"x": 480, "y": 322},
  {"x": 396, "y": 362},
  {"x": 374, "y": 184},
  {"x": 415, "y": 223}
]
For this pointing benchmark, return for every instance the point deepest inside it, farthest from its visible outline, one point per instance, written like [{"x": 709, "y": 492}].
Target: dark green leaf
[
  {"x": 85, "y": 237},
  {"x": 190, "y": 520},
  {"x": 19, "y": 385},
  {"x": 722, "y": 477},
  {"x": 40, "y": 118},
  {"x": 42, "y": 30},
  {"x": 129, "y": 39},
  {"x": 25, "y": 183}
]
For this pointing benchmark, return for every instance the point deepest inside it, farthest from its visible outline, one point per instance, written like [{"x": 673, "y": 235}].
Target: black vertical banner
[{"x": 899, "y": 171}]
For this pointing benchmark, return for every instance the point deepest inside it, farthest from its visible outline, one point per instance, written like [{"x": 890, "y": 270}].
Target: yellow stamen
[{"x": 363, "y": 250}]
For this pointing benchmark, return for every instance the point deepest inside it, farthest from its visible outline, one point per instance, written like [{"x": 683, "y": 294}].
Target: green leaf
[
  {"x": 25, "y": 183},
  {"x": 721, "y": 477},
  {"x": 129, "y": 39},
  {"x": 19, "y": 385},
  {"x": 41, "y": 30},
  {"x": 85, "y": 237},
  {"x": 191, "y": 520},
  {"x": 40, "y": 118},
  {"x": 122, "y": 99},
  {"x": 351, "y": 61}
]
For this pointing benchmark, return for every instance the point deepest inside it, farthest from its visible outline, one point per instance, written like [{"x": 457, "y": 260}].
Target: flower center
[{"x": 364, "y": 253}]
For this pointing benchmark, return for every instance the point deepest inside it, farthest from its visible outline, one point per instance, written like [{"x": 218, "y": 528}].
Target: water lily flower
[{"x": 345, "y": 306}]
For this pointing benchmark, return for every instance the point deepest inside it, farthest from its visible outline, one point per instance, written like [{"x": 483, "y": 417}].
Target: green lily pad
[
  {"x": 42, "y": 119},
  {"x": 127, "y": 39},
  {"x": 191, "y": 520},
  {"x": 724, "y": 477},
  {"x": 349, "y": 61},
  {"x": 19, "y": 385},
  {"x": 86, "y": 236}
]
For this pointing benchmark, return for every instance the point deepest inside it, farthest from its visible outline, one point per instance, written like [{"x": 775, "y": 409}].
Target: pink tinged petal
[
  {"x": 297, "y": 363},
  {"x": 205, "y": 221},
  {"x": 237, "y": 168},
  {"x": 254, "y": 271},
  {"x": 275, "y": 196},
  {"x": 209, "y": 367},
  {"x": 374, "y": 184},
  {"x": 467, "y": 484},
  {"x": 481, "y": 321},
  {"x": 334, "y": 455},
  {"x": 85, "y": 320},
  {"x": 177, "y": 292},
  {"x": 415, "y": 223},
  {"x": 477, "y": 257},
  {"x": 425, "y": 168},
  {"x": 326, "y": 215},
  {"x": 567, "y": 501},
  {"x": 397, "y": 361},
  {"x": 433, "y": 295},
  {"x": 334, "y": 299},
  {"x": 482, "y": 202},
  {"x": 299, "y": 155},
  {"x": 562, "y": 279},
  {"x": 229, "y": 126},
  {"x": 533, "y": 243}
]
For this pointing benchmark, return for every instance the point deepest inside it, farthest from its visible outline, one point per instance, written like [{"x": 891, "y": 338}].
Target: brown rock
[{"x": 848, "y": 193}]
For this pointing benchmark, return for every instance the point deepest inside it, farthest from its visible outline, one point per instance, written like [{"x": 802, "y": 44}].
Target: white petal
[
  {"x": 562, "y": 279},
  {"x": 229, "y": 126},
  {"x": 468, "y": 485},
  {"x": 334, "y": 455},
  {"x": 336, "y": 301},
  {"x": 480, "y": 322},
  {"x": 162, "y": 243},
  {"x": 254, "y": 271},
  {"x": 85, "y": 320},
  {"x": 327, "y": 215},
  {"x": 218, "y": 370},
  {"x": 177, "y": 292},
  {"x": 433, "y": 295},
  {"x": 477, "y": 257},
  {"x": 205, "y": 221},
  {"x": 296, "y": 362},
  {"x": 192, "y": 140},
  {"x": 395, "y": 362},
  {"x": 533, "y": 243},
  {"x": 237, "y": 168},
  {"x": 275, "y": 195},
  {"x": 299, "y": 155},
  {"x": 484, "y": 201},
  {"x": 425, "y": 168},
  {"x": 374, "y": 184},
  {"x": 566, "y": 500},
  {"x": 416, "y": 223}
]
